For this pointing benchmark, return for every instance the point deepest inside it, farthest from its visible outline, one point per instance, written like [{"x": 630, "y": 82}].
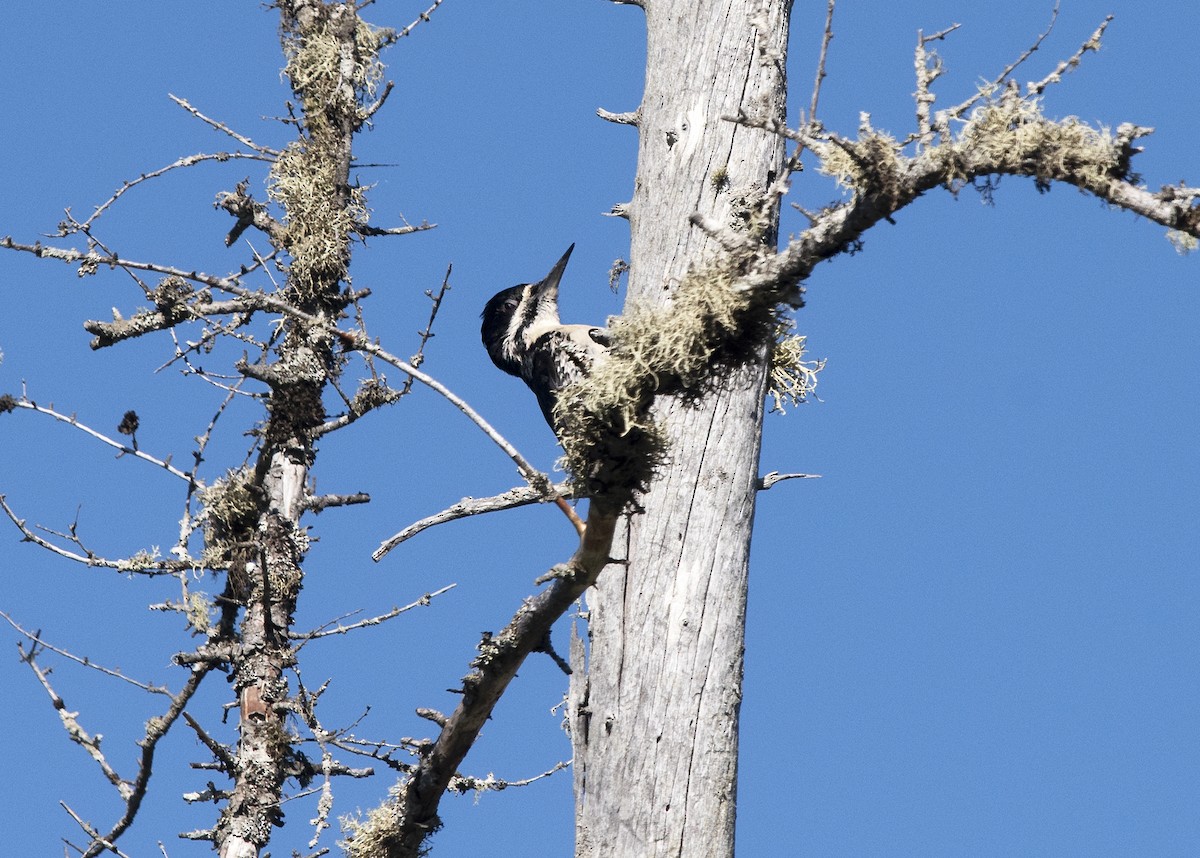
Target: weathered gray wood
[{"x": 655, "y": 714}]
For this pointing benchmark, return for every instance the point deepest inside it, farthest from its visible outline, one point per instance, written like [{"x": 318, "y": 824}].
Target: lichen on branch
[{"x": 683, "y": 349}]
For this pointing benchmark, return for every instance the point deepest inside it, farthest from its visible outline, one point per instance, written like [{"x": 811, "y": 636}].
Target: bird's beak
[{"x": 550, "y": 284}]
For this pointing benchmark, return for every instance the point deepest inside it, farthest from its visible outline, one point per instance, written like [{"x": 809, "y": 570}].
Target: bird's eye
[{"x": 510, "y": 304}]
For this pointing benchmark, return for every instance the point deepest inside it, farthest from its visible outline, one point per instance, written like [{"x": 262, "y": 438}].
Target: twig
[
  {"x": 40, "y": 643},
  {"x": 188, "y": 161},
  {"x": 926, "y": 75},
  {"x": 186, "y": 522},
  {"x": 91, "y": 832},
  {"x": 363, "y": 748},
  {"x": 987, "y": 89},
  {"x": 427, "y": 334},
  {"x": 219, "y": 751},
  {"x": 156, "y": 728},
  {"x": 71, "y": 724},
  {"x": 826, "y": 38},
  {"x": 408, "y": 229},
  {"x": 422, "y": 18},
  {"x": 338, "y": 629},
  {"x": 124, "y": 449},
  {"x": 322, "y": 502},
  {"x": 142, "y": 564},
  {"x": 464, "y": 783},
  {"x": 90, "y": 260},
  {"x": 515, "y": 497},
  {"x": 221, "y": 126},
  {"x": 767, "y": 480},
  {"x": 1070, "y": 64}
]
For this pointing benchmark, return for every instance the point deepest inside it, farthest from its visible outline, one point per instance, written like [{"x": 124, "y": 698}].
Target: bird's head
[{"x": 514, "y": 318}]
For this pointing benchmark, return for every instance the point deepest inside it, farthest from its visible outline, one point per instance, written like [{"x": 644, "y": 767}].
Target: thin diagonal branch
[
  {"x": 40, "y": 643},
  {"x": 334, "y": 627},
  {"x": 989, "y": 89},
  {"x": 156, "y": 729},
  {"x": 413, "y": 814},
  {"x": 222, "y": 127},
  {"x": 189, "y": 161},
  {"x": 70, "y": 722},
  {"x": 142, "y": 564},
  {"x": 819, "y": 78},
  {"x": 1072, "y": 62},
  {"x": 421, "y": 19},
  {"x": 123, "y": 449},
  {"x": 515, "y": 497}
]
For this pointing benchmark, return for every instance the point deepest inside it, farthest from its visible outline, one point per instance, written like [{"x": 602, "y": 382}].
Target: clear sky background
[{"x": 976, "y": 634}]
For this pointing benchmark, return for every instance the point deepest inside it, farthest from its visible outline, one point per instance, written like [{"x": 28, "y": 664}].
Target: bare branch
[
  {"x": 407, "y": 229},
  {"x": 156, "y": 729},
  {"x": 926, "y": 75},
  {"x": 358, "y": 343},
  {"x": 989, "y": 89},
  {"x": 632, "y": 117},
  {"x": 222, "y": 754},
  {"x": 338, "y": 629},
  {"x": 69, "y": 226},
  {"x": 1071, "y": 63},
  {"x": 427, "y": 334},
  {"x": 323, "y": 502},
  {"x": 40, "y": 643},
  {"x": 143, "y": 563},
  {"x": 515, "y": 497},
  {"x": 123, "y": 449},
  {"x": 96, "y": 840},
  {"x": 819, "y": 78},
  {"x": 70, "y": 723},
  {"x": 766, "y": 481},
  {"x": 412, "y": 815},
  {"x": 421, "y": 19},
  {"x": 221, "y": 126},
  {"x": 381, "y": 751},
  {"x": 90, "y": 261},
  {"x": 249, "y": 213},
  {"x": 370, "y": 110},
  {"x": 150, "y": 321},
  {"x": 466, "y": 783}
]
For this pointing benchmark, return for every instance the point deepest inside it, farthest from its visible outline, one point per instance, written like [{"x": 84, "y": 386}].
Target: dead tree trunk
[{"x": 655, "y": 714}]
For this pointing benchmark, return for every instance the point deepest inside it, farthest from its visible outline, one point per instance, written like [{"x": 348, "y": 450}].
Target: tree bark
[{"x": 655, "y": 712}]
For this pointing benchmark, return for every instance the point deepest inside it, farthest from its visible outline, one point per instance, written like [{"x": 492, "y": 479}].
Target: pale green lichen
[
  {"x": 320, "y": 214},
  {"x": 793, "y": 379},
  {"x": 1184, "y": 243},
  {"x": 230, "y": 514},
  {"x": 370, "y": 836},
  {"x": 1012, "y": 135},
  {"x": 683, "y": 348},
  {"x": 332, "y": 74},
  {"x": 140, "y": 562}
]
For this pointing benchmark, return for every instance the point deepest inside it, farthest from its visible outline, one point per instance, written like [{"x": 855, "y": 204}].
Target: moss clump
[
  {"x": 333, "y": 65},
  {"x": 684, "y": 349},
  {"x": 793, "y": 379},
  {"x": 872, "y": 164},
  {"x": 1012, "y": 135},
  {"x": 231, "y": 511},
  {"x": 320, "y": 213}
]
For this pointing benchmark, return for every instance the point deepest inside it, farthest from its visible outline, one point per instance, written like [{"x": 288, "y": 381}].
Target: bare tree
[{"x": 663, "y": 439}]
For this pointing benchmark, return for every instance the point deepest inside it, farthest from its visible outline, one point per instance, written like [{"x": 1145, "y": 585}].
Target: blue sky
[{"x": 975, "y": 634}]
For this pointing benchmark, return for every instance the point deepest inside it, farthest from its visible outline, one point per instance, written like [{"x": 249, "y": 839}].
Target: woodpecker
[{"x": 524, "y": 337}]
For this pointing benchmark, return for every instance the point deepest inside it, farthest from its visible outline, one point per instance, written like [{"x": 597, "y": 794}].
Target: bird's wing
[{"x": 562, "y": 356}]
